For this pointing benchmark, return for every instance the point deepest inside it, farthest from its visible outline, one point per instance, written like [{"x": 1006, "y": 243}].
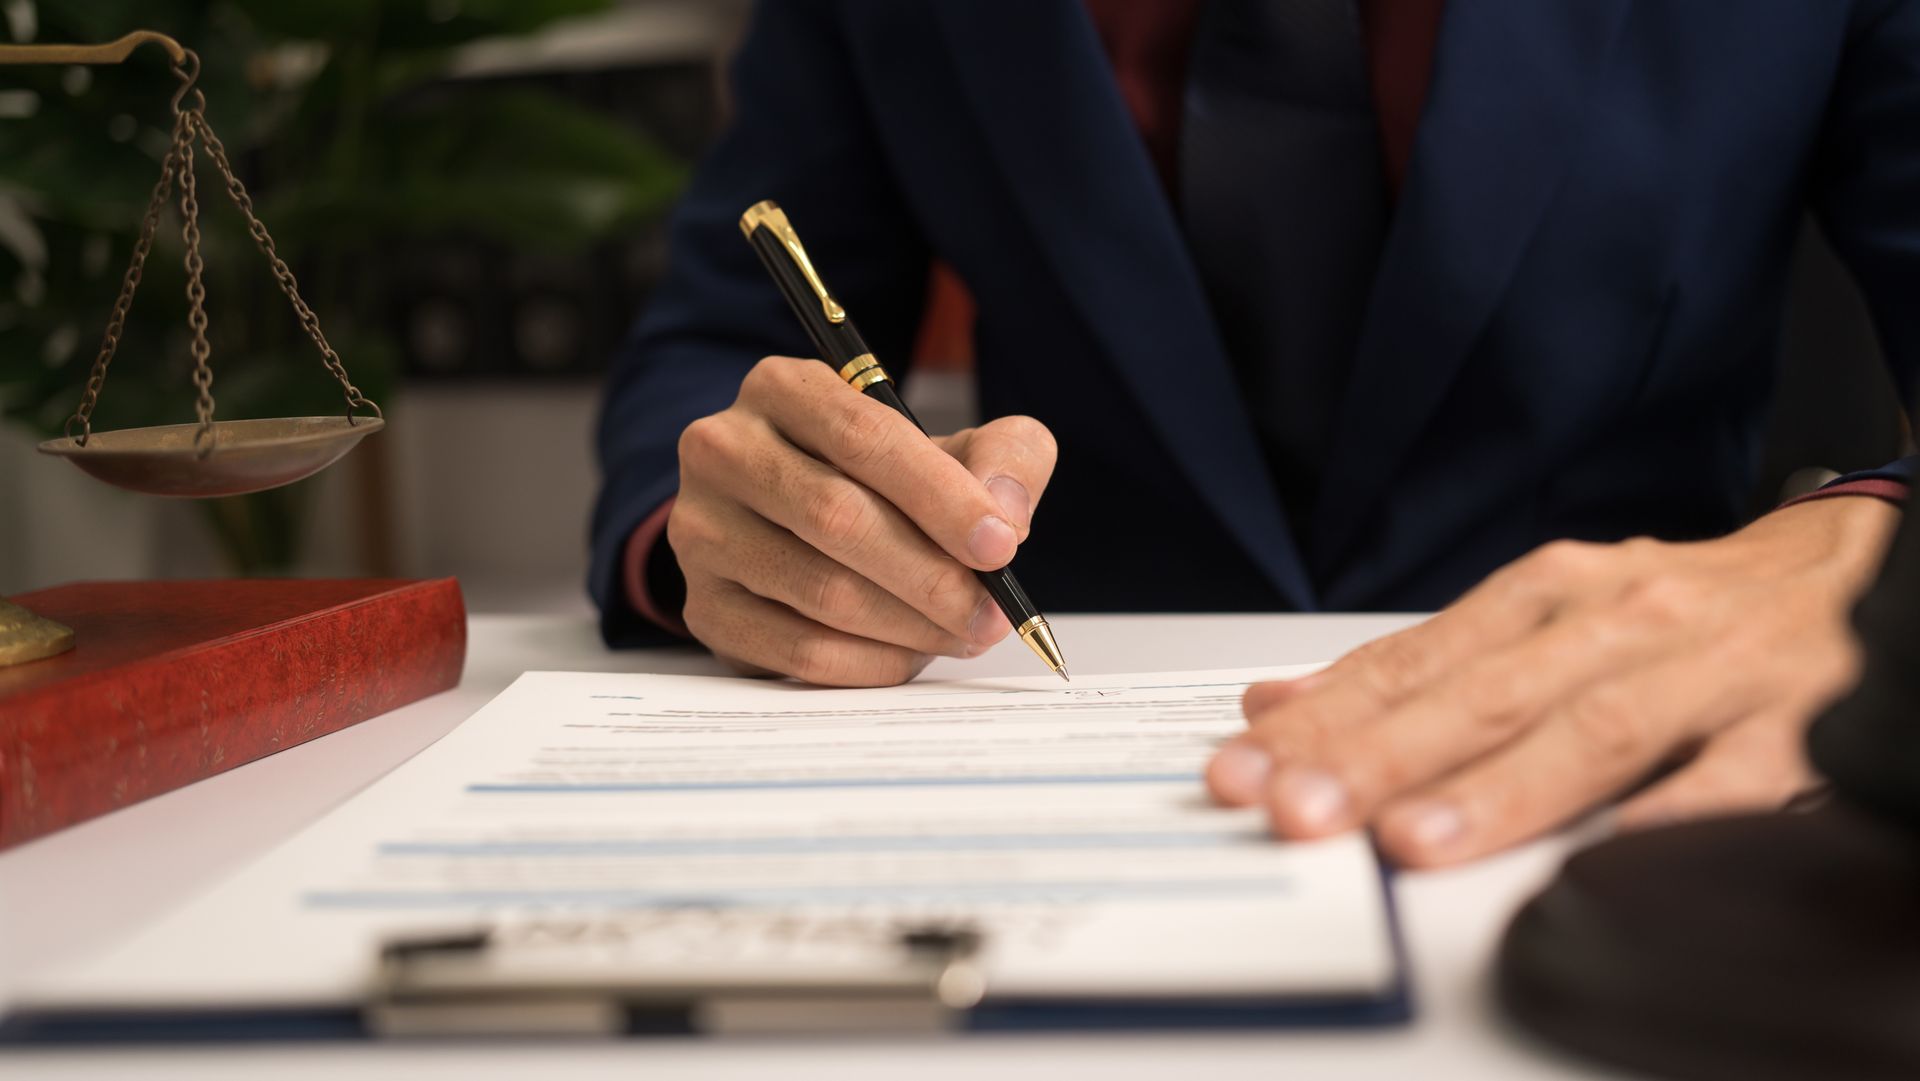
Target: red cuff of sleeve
[
  {"x": 634, "y": 570},
  {"x": 1892, "y": 491}
]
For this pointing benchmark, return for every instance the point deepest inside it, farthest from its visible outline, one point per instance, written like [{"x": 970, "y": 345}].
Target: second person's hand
[
  {"x": 824, "y": 537},
  {"x": 1568, "y": 679}
]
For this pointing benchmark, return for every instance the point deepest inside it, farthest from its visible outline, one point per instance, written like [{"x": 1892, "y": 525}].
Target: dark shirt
[{"x": 1148, "y": 42}]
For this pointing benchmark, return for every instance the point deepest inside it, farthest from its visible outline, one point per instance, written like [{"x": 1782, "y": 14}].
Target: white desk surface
[{"x": 66, "y": 894}]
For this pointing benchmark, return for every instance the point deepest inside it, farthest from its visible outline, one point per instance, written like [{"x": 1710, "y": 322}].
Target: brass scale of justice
[{"x": 208, "y": 458}]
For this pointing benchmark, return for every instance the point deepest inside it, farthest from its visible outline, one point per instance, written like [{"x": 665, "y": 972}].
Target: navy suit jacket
[{"x": 1572, "y": 332}]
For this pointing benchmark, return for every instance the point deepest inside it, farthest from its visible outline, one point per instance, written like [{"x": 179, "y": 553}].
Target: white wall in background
[
  {"x": 494, "y": 483},
  {"x": 490, "y": 483},
  {"x": 58, "y": 525}
]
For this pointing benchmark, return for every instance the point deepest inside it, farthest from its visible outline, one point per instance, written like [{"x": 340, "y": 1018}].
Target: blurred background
[{"x": 472, "y": 193}]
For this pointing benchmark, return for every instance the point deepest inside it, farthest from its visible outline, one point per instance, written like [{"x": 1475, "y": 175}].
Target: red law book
[{"x": 169, "y": 682}]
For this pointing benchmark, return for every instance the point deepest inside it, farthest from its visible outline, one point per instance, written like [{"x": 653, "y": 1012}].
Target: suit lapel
[
  {"x": 1046, "y": 101},
  {"x": 1512, "y": 83}
]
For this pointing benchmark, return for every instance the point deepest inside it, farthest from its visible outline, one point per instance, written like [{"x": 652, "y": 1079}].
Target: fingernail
[
  {"x": 1013, "y": 499},
  {"x": 992, "y": 542},
  {"x": 1265, "y": 696},
  {"x": 1240, "y": 773},
  {"x": 1311, "y": 798},
  {"x": 989, "y": 623},
  {"x": 1429, "y": 825},
  {"x": 1306, "y": 683}
]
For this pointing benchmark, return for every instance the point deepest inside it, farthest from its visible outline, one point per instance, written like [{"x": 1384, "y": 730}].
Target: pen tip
[{"x": 1063, "y": 673}]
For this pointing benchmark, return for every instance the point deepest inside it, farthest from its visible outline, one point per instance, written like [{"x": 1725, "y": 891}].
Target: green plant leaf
[
  {"x": 519, "y": 166},
  {"x": 411, "y": 24},
  {"x": 370, "y": 146}
]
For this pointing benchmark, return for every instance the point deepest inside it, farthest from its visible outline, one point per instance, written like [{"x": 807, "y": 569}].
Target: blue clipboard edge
[
  {"x": 1394, "y": 1007},
  {"x": 56, "y": 1028}
]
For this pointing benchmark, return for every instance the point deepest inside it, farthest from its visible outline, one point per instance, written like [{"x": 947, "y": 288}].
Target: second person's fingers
[
  {"x": 1588, "y": 749},
  {"x": 1460, "y": 717},
  {"x": 1366, "y": 683},
  {"x": 1758, "y": 764}
]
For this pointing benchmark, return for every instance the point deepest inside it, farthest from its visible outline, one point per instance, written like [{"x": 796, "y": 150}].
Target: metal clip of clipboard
[{"x": 593, "y": 978}]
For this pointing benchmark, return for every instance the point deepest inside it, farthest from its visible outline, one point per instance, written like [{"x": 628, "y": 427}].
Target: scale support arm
[{"x": 113, "y": 52}]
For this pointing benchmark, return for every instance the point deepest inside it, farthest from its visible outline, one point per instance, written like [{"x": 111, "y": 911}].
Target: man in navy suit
[{"x": 1299, "y": 305}]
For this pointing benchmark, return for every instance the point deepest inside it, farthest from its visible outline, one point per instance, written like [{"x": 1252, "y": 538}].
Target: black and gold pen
[{"x": 841, "y": 347}]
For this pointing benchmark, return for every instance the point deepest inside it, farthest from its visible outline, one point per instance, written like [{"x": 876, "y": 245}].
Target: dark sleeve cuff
[
  {"x": 1887, "y": 488},
  {"x": 650, "y": 575}
]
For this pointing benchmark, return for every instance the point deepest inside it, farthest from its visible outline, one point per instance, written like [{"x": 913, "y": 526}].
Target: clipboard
[
  {"x": 1060, "y": 836},
  {"x": 560, "y": 980},
  {"x": 891, "y": 979}
]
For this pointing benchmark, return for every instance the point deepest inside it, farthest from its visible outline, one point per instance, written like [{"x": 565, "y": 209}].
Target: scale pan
[{"x": 248, "y": 455}]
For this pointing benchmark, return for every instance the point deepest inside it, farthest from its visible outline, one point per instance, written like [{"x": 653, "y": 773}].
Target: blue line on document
[
  {"x": 840, "y": 782},
  {"x": 1070, "y": 690},
  {"x": 970, "y": 892},
  {"x": 734, "y": 846}
]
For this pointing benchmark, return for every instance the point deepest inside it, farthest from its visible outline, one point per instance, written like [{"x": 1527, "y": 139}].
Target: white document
[{"x": 1068, "y": 823}]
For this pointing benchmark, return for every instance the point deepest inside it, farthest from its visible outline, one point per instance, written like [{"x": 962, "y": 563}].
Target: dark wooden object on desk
[{"x": 171, "y": 682}]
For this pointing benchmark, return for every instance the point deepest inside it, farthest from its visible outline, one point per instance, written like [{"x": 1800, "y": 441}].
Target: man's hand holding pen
[{"x": 822, "y": 536}]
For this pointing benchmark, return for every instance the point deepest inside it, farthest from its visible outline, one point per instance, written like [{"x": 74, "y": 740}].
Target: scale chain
[
  {"x": 282, "y": 273},
  {"x": 136, "y": 267},
  {"x": 203, "y": 438},
  {"x": 190, "y": 124}
]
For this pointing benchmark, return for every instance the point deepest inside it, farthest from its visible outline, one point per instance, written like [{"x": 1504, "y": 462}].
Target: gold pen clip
[{"x": 767, "y": 213}]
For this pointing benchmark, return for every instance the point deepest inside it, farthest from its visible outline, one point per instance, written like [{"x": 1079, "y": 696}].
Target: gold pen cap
[{"x": 767, "y": 214}]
